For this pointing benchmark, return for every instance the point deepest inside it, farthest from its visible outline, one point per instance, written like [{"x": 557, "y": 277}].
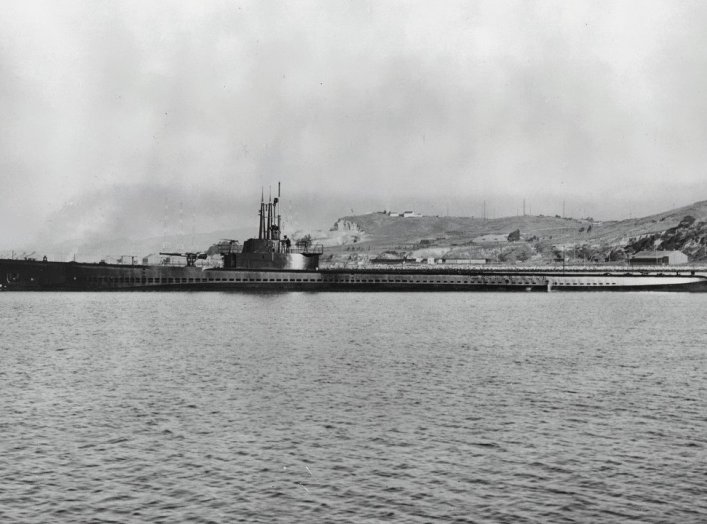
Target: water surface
[{"x": 355, "y": 407}]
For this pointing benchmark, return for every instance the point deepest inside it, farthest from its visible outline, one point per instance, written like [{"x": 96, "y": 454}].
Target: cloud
[{"x": 349, "y": 104}]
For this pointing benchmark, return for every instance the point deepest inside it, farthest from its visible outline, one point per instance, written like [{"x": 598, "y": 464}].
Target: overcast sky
[{"x": 113, "y": 112}]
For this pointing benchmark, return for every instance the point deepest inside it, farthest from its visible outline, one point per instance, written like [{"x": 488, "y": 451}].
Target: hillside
[
  {"x": 360, "y": 238},
  {"x": 542, "y": 238}
]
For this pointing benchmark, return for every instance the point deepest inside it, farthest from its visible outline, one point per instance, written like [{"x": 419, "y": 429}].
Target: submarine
[{"x": 271, "y": 262}]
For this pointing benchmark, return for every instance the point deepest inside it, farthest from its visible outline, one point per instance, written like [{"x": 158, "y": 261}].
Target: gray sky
[{"x": 111, "y": 111}]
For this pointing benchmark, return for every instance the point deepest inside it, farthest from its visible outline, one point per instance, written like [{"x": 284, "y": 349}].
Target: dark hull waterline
[{"x": 28, "y": 275}]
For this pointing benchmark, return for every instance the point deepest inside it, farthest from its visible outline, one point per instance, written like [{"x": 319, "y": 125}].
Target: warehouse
[{"x": 658, "y": 258}]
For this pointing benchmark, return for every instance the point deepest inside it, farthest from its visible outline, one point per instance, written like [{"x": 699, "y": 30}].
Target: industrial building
[
  {"x": 658, "y": 258},
  {"x": 466, "y": 261},
  {"x": 405, "y": 214}
]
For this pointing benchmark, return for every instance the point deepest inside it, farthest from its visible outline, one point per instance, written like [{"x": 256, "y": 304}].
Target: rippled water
[{"x": 325, "y": 407}]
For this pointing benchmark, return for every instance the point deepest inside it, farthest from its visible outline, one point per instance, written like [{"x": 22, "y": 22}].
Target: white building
[
  {"x": 467, "y": 261},
  {"x": 404, "y": 214},
  {"x": 153, "y": 259},
  {"x": 658, "y": 258}
]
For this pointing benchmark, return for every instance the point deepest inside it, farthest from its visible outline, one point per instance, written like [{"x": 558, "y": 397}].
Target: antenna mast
[
  {"x": 279, "y": 218},
  {"x": 262, "y": 217},
  {"x": 269, "y": 230}
]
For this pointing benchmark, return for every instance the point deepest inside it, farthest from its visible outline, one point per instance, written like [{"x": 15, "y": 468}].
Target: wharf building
[{"x": 658, "y": 258}]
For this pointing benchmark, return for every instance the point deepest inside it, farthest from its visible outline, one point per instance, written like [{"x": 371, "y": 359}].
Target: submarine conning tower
[{"x": 272, "y": 250}]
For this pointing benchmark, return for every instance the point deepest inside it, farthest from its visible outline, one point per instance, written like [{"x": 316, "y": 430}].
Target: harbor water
[{"x": 353, "y": 407}]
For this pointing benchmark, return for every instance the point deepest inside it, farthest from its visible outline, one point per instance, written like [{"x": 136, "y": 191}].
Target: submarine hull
[{"x": 27, "y": 275}]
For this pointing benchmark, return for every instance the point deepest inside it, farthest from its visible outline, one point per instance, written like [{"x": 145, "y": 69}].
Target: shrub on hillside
[{"x": 520, "y": 252}]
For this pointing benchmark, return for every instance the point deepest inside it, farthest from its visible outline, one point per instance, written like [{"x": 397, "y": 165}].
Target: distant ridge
[
  {"x": 364, "y": 236},
  {"x": 544, "y": 236}
]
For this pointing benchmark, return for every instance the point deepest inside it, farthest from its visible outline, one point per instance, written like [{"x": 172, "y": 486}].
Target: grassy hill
[{"x": 542, "y": 238}]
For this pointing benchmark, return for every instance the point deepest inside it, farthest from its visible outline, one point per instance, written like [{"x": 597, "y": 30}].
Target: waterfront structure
[
  {"x": 658, "y": 258},
  {"x": 153, "y": 259},
  {"x": 464, "y": 261}
]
